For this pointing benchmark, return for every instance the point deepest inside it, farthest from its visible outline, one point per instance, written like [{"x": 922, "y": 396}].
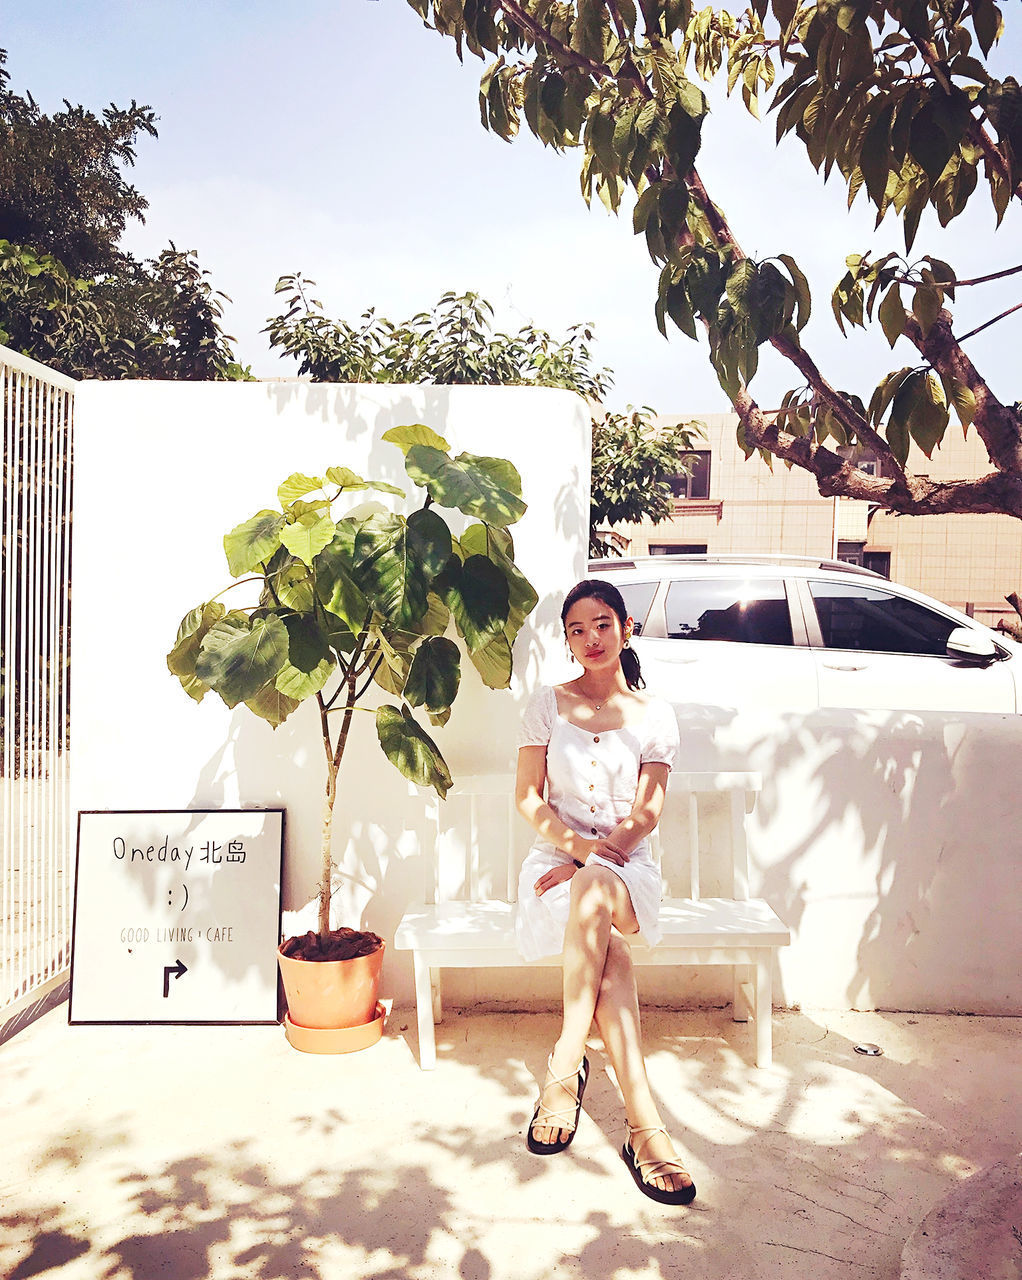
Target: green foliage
[
  {"x": 634, "y": 459},
  {"x": 897, "y": 98},
  {"x": 69, "y": 295},
  {"x": 452, "y": 343},
  {"x": 347, "y": 598}
]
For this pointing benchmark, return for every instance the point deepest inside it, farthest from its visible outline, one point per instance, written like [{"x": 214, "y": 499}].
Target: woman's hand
[
  {"x": 609, "y": 851},
  {"x": 564, "y": 871}
]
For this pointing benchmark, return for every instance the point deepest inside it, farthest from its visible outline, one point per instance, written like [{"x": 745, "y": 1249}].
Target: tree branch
[
  {"x": 914, "y": 495},
  {"x": 999, "y": 427},
  {"x": 531, "y": 27},
  {"x": 986, "y": 325}
]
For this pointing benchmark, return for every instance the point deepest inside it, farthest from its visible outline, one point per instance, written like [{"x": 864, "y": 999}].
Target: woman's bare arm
[
  {"x": 529, "y": 783},
  {"x": 645, "y": 814}
]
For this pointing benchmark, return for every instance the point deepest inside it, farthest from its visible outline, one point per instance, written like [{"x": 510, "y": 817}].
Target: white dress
[{"x": 591, "y": 783}]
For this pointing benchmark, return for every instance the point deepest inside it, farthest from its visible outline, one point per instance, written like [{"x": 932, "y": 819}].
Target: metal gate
[{"x": 35, "y": 596}]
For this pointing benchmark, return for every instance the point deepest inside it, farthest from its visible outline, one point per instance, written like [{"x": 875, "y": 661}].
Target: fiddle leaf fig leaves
[
  {"x": 250, "y": 544},
  {"x": 489, "y": 488},
  {"x": 365, "y": 598},
  {"x": 434, "y": 675},
  {"x": 238, "y": 656},
  {"x": 190, "y": 634},
  {"x": 411, "y": 750}
]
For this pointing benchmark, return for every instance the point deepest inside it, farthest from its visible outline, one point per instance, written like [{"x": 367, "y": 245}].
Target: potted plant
[{"x": 346, "y": 599}]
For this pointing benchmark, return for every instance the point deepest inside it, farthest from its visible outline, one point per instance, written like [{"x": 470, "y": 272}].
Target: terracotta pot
[{"x": 332, "y": 993}]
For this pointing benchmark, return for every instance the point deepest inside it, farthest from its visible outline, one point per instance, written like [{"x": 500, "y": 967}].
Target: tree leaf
[
  {"x": 307, "y": 536},
  {"x": 434, "y": 674},
  {"x": 493, "y": 662},
  {"x": 190, "y": 634},
  {"x": 299, "y": 685},
  {"x": 411, "y": 750},
  {"x": 237, "y": 656},
  {"x": 962, "y": 398},
  {"x": 387, "y": 569},
  {"x": 272, "y": 705},
  {"x": 248, "y": 545},
  {"x": 803, "y": 296},
  {"x": 929, "y": 416},
  {"x": 297, "y": 486},
  {"x": 307, "y": 642},
  {"x": 926, "y": 306},
  {"x": 497, "y": 546},
  {"x": 488, "y": 488},
  {"x": 478, "y": 596},
  {"x": 416, "y": 433},
  {"x": 335, "y": 580},
  {"x": 892, "y": 314}
]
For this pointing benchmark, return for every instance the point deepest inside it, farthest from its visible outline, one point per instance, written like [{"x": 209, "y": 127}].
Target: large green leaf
[
  {"x": 238, "y": 656},
  {"x": 488, "y": 488},
  {"x": 299, "y": 685},
  {"x": 435, "y": 674},
  {"x": 411, "y": 750},
  {"x": 339, "y": 635},
  {"x": 493, "y": 662},
  {"x": 498, "y": 546},
  {"x": 293, "y": 585},
  {"x": 429, "y": 541},
  {"x": 347, "y": 479},
  {"x": 478, "y": 596},
  {"x": 297, "y": 486},
  {"x": 307, "y": 537},
  {"x": 435, "y": 620},
  {"x": 272, "y": 705},
  {"x": 335, "y": 584},
  {"x": 416, "y": 433},
  {"x": 250, "y": 544},
  {"x": 390, "y": 662},
  {"x": 307, "y": 641},
  {"x": 388, "y": 570},
  {"x": 190, "y": 634}
]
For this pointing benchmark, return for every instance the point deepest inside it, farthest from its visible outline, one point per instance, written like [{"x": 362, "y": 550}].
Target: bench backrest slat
[{"x": 488, "y": 795}]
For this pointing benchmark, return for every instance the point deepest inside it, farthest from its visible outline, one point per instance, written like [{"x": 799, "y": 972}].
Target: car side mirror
[{"x": 971, "y": 646}]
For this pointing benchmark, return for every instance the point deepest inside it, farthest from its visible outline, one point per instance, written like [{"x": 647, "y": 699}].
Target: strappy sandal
[
  {"x": 654, "y": 1168},
  {"x": 565, "y": 1118}
]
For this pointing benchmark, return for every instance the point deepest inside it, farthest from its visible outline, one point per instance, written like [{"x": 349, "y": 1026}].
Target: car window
[
  {"x": 853, "y": 616},
  {"x": 638, "y": 596},
  {"x": 752, "y": 612}
]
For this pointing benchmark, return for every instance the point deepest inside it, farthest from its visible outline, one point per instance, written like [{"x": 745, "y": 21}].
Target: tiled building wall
[{"x": 963, "y": 560}]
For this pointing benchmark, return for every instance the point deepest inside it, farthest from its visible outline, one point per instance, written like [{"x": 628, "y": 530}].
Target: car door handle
[{"x": 846, "y": 666}]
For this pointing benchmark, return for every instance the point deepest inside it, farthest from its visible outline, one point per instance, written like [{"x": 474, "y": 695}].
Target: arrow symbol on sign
[{"x": 177, "y": 970}]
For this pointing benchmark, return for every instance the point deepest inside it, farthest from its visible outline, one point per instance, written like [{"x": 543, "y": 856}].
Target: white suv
[{"x": 796, "y": 634}]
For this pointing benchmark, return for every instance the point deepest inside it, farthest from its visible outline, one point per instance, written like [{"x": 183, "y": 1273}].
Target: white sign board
[{"x": 177, "y": 916}]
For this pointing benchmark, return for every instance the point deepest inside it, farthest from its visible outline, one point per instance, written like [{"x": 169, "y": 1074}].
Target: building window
[
  {"x": 857, "y": 553},
  {"x": 677, "y": 548},
  {"x": 696, "y": 485}
]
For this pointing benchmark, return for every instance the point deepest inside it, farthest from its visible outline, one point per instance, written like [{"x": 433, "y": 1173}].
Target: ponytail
[{"x": 631, "y": 668}]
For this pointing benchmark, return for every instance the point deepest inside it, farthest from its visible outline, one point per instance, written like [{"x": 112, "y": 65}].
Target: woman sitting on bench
[{"x": 602, "y": 752}]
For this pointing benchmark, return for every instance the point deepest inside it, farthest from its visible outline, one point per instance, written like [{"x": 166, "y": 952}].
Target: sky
[{"x": 341, "y": 139}]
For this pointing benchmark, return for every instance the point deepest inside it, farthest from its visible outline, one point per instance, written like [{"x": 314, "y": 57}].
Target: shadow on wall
[{"x": 887, "y": 842}]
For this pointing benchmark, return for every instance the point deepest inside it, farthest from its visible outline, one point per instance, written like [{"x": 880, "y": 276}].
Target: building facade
[{"x": 728, "y": 505}]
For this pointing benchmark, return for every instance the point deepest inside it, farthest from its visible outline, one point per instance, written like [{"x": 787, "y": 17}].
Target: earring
[{"x": 567, "y": 652}]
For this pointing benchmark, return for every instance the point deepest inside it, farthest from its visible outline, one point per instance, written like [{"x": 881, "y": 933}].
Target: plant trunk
[{"x": 325, "y": 884}]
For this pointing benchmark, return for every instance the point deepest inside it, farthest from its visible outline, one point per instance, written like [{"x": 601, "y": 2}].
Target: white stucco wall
[{"x": 887, "y": 841}]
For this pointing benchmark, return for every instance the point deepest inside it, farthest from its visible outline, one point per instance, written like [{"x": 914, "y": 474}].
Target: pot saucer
[{"x": 335, "y": 1039}]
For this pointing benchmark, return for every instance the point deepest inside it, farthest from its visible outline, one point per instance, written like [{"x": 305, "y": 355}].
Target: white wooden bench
[{"x": 469, "y": 920}]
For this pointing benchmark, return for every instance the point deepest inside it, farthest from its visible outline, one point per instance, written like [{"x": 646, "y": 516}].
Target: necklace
[{"x": 597, "y": 705}]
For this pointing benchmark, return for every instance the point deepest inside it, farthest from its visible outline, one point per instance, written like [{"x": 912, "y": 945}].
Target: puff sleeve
[
  {"x": 662, "y": 739},
  {"x": 538, "y": 718}
]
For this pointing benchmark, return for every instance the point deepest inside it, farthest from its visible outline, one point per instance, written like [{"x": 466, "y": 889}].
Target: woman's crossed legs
[{"x": 599, "y": 982}]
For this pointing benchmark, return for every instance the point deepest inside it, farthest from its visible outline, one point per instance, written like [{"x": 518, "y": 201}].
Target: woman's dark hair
[{"x": 601, "y": 589}]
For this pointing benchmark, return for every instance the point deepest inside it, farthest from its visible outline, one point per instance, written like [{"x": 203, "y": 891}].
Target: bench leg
[
  {"x": 424, "y": 1012},
  {"x": 438, "y": 994},
  {"x": 764, "y": 1014},
  {"x": 741, "y": 1004}
]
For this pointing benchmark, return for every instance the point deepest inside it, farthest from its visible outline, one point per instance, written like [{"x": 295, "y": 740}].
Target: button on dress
[{"x": 591, "y": 785}]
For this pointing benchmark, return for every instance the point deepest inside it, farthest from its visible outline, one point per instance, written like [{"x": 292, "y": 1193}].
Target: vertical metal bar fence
[{"x": 35, "y": 653}]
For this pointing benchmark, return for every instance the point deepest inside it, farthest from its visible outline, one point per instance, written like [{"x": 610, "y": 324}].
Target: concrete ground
[{"x": 192, "y": 1152}]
